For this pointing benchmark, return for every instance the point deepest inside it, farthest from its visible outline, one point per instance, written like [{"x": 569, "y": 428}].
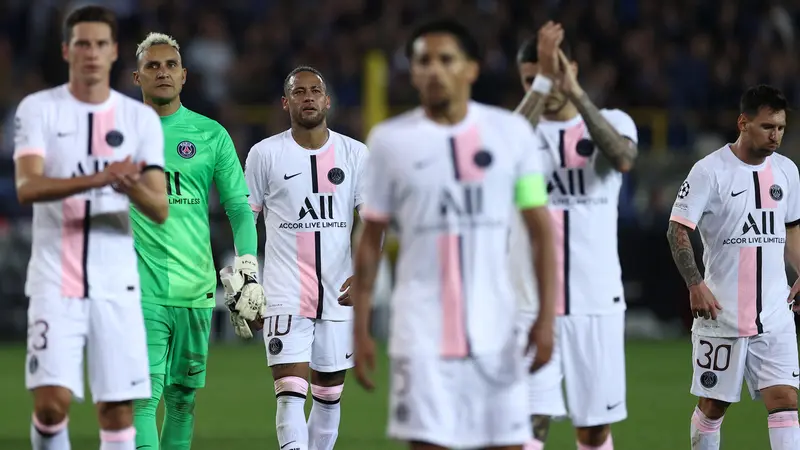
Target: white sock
[
  {"x": 533, "y": 444},
  {"x": 323, "y": 422},
  {"x": 49, "y": 437},
  {"x": 705, "y": 431},
  {"x": 124, "y": 439},
  {"x": 290, "y": 418},
  {"x": 784, "y": 430}
]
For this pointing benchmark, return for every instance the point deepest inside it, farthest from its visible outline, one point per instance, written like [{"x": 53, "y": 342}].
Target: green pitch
[{"x": 237, "y": 408}]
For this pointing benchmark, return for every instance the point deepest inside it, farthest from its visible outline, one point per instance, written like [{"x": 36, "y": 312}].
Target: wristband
[{"x": 542, "y": 84}]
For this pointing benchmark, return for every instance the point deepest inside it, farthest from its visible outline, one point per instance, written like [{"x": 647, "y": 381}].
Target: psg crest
[
  {"x": 776, "y": 192},
  {"x": 275, "y": 346},
  {"x": 114, "y": 138},
  {"x": 186, "y": 149},
  {"x": 482, "y": 159},
  {"x": 336, "y": 176},
  {"x": 708, "y": 379}
]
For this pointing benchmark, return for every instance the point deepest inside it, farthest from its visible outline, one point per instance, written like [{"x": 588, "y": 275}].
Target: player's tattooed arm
[
  {"x": 532, "y": 106},
  {"x": 541, "y": 427},
  {"x": 683, "y": 254},
  {"x": 619, "y": 150}
]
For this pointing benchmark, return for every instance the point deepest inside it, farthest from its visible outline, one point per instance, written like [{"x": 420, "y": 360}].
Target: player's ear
[
  {"x": 183, "y": 80},
  {"x": 741, "y": 122},
  {"x": 285, "y": 103},
  {"x": 115, "y": 52},
  {"x": 65, "y": 51},
  {"x": 327, "y": 102},
  {"x": 472, "y": 71},
  {"x": 136, "y": 78}
]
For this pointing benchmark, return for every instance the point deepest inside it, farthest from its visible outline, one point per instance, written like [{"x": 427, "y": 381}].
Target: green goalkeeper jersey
[{"x": 176, "y": 266}]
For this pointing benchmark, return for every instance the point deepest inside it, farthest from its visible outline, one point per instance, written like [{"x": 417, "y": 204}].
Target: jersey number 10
[{"x": 173, "y": 179}]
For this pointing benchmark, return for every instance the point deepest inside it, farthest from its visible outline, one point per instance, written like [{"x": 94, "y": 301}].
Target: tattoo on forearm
[
  {"x": 541, "y": 426},
  {"x": 682, "y": 253},
  {"x": 366, "y": 271},
  {"x": 620, "y": 151},
  {"x": 532, "y": 106}
]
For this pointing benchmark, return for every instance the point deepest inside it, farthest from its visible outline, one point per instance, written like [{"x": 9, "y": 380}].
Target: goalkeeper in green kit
[{"x": 178, "y": 278}]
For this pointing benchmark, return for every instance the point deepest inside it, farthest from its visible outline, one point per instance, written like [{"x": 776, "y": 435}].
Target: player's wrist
[{"x": 542, "y": 83}]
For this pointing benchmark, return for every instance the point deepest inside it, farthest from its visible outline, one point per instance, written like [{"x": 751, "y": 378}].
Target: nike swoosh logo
[
  {"x": 347, "y": 356},
  {"x": 144, "y": 446},
  {"x": 288, "y": 177},
  {"x": 59, "y": 134},
  {"x": 737, "y": 193},
  {"x": 610, "y": 407},
  {"x": 193, "y": 373},
  {"x": 284, "y": 445},
  {"x": 795, "y": 374},
  {"x": 422, "y": 164}
]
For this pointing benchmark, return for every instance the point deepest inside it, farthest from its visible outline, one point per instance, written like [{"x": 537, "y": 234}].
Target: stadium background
[{"x": 677, "y": 67}]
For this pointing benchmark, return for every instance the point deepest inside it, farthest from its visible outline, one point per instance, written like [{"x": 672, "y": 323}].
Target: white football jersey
[
  {"x": 308, "y": 198},
  {"x": 450, "y": 192},
  {"x": 584, "y": 197},
  {"x": 82, "y": 245},
  {"x": 742, "y": 212}
]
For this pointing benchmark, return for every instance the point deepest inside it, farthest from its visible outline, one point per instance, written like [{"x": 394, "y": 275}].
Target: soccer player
[
  {"x": 83, "y": 153},
  {"x": 745, "y": 200},
  {"x": 175, "y": 261},
  {"x": 588, "y": 150},
  {"x": 449, "y": 174},
  {"x": 307, "y": 181}
]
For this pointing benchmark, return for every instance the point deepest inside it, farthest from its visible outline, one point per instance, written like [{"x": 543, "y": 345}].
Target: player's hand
[
  {"x": 549, "y": 41},
  {"x": 120, "y": 173},
  {"x": 250, "y": 300},
  {"x": 703, "y": 303},
  {"x": 568, "y": 81},
  {"x": 794, "y": 304},
  {"x": 364, "y": 360},
  {"x": 345, "y": 299},
  {"x": 540, "y": 341}
]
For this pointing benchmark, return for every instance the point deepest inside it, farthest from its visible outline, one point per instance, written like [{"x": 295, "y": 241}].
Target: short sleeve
[
  {"x": 29, "y": 129},
  {"x": 378, "y": 182},
  {"x": 255, "y": 176},
  {"x": 693, "y": 198},
  {"x": 228, "y": 176},
  {"x": 361, "y": 162},
  {"x": 151, "y": 144},
  {"x": 793, "y": 208},
  {"x": 623, "y": 123}
]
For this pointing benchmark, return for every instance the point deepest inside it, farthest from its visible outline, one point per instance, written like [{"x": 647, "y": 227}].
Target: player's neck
[
  {"x": 568, "y": 112},
  {"x": 311, "y": 138},
  {"x": 452, "y": 113},
  {"x": 166, "y": 109},
  {"x": 741, "y": 151},
  {"x": 92, "y": 93}
]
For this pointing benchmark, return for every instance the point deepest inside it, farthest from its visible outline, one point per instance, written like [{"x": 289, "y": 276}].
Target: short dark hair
[
  {"x": 92, "y": 13},
  {"x": 762, "y": 96},
  {"x": 299, "y": 69},
  {"x": 528, "y": 52},
  {"x": 467, "y": 42}
]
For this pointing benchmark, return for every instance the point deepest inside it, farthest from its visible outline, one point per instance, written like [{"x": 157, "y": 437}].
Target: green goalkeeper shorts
[{"x": 177, "y": 343}]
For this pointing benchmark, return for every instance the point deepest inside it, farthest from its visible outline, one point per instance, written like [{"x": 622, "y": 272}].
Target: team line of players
[{"x": 473, "y": 306}]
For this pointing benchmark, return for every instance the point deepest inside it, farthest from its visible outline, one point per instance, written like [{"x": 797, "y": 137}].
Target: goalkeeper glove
[{"x": 244, "y": 297}]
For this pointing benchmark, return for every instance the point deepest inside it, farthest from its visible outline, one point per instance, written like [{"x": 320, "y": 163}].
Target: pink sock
[
  {"x": 607, "y": 445},
  {"x": 533, "y": 444},
  {"x": 784, "y": 430}
]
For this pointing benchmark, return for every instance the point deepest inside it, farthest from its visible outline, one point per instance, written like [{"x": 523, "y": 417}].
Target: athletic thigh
[
  {"x": 188, "y": 357},
  {"x": 332, "y": 349},
  {"x": 593, "y": 352},
  {"x": 718, "y": 366},
  {"x": 57, "y": 331},
  {"x": 772, "y": 361},
  {"x": 288, "y": 339},
  {"x": 158, "y": 326},
  {"x": 119, "y": 368}
]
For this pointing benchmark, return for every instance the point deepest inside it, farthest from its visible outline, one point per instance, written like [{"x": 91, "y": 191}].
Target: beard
[{"x": 309, "y": 122}]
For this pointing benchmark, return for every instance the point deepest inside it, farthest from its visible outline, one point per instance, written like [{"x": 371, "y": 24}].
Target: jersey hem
[{"x": 180, "y": 303}]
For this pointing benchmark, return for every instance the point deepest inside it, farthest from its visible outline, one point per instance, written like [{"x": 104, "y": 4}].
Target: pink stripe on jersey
[
  {"x": 325, "y": 162},
  {"x": 783, "y": 419},
  {"x": 72, "y": 246},
  {"x": 683, "y": 221},
  {"x": 765, "y": 181},
  {"x": 572, "y": 136},
  {"x": 307, "y": 270},
  {"x": 466, "y": 145},
  {"x": 102, "y": 124},
  {"x": 30, "y": 151},
  {"x": 454, "y": 333},
  {"x": 747, "y": 291},
  {"x": 557, "y": 216}
]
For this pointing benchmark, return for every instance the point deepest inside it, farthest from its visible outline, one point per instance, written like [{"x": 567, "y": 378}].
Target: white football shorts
[
  {"x": 111, "y": 331},
  {"x": 720, "y": 364},
  {"x": 325, "y": 344},
  {"x": 589, "y": 357},
  {"x": 476, "y": 402}
]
